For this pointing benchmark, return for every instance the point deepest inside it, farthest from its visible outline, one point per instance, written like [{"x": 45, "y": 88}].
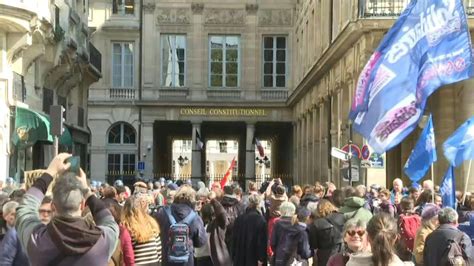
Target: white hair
[{"x": 9, "y": 207}]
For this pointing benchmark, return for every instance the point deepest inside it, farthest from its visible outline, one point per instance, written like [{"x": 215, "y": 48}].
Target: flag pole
[
  {"x": 467, "y": 182},
  {"x": 432, "y": 180}
]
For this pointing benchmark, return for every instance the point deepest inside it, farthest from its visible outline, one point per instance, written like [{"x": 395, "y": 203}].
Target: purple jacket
[{"x": 40, "y": 247}]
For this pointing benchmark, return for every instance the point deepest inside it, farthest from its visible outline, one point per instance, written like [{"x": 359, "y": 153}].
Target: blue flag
[
  {"x": 427, "y": 47},
  {"x": 423, "y": 155},
  {"x": 448, "y": 189},
  {"x": 460, "y": 145}
]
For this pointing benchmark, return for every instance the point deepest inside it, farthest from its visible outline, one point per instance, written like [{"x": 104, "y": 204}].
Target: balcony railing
[
  {"x": 393, "y": 8},
  {"x": 190, "y": 94},
  {"x": 95, "y": 57},
  {"x": 122, "y": 93}
]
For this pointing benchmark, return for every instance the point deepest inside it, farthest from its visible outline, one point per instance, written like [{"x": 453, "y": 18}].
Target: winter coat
[
  {"x": 354, "y": 208},
  {"x": 387, "y": 207},
  {"x": 217, "y": 229},
  {"x": 365, "y": 259},
  {"x": 11, "y": 251},
  {"x": 289, "y": 242},
  {"x": 437, "y": 242},
  {"x": 307, "y": 199},
  {"x": 197, "y": 232},
  {"x": 48, "y": 244},
  {"x": 249, "y": 239},
  {"x": 321, "y": 236},
  {"x": 419, "y": 244},
  {"x": 233, "y": 209}
]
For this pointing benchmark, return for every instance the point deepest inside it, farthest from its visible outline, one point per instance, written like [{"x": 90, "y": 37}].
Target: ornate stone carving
[
  {"x": 149, "y": 7},
  {"x": 275, "y": 17},
  {"x": 251, "y": 8},
  {"x": 215, "y": 16},
  {"x": 197, "y": 8},
  {"x": 173, "y": 16}
]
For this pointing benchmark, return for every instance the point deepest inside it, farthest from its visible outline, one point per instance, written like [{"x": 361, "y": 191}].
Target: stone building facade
[
  {"x": 45, "y": 59},
  {"x": 283, "y": 71}
]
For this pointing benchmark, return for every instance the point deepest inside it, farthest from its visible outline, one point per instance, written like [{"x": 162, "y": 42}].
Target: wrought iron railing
[{"x": 393, "y": 8}]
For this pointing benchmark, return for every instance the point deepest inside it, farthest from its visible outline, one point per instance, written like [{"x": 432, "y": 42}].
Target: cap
[{"x": 430, "y": 210}]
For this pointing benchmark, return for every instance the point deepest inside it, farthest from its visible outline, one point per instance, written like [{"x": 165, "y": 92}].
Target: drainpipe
[{"x": 140, "y": 59}]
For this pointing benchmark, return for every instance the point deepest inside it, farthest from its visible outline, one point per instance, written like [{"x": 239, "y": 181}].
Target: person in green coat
[{"x": 354, "y": 207}]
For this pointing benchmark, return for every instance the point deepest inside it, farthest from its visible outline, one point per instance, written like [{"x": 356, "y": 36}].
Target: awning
[
  {"x": 30, "y": 127},
  {"x": 66, "y": 138}
]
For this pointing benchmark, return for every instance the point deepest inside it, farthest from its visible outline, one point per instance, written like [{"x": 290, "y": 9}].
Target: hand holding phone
[{"x": 75, "y": 162}]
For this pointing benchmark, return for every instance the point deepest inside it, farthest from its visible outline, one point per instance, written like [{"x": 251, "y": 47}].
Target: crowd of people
[{"x": 165, "y": 222}]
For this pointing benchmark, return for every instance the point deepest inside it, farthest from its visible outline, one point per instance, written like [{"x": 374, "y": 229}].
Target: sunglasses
[{"x": 354, "y": 232}]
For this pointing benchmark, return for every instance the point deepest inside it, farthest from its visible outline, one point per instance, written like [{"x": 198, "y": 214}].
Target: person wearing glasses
[
  {"x": 382, "y": 234},
  {"x": 355, "y": 242},
  {"x": 45, "y": 212}
]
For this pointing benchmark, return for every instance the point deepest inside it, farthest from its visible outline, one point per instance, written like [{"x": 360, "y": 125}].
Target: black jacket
[
  {"x": 249, "y": 241},
  {"x": 289, "y": 241},
  {"x": 217, "y": 228},
  {"x": 234, "y": 209},
  {"x": 437, "y": 242},
  {"x": 325, "y": 235}
]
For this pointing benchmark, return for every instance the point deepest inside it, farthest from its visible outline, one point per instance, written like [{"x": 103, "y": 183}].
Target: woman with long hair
[
  {"x": 143, "y": 229},
  {"x": 355, "y": 242},
  {"x": 429, "y": 222},
  {"x": 325, "y": 232},
  {"x": 382, "y": 232}
]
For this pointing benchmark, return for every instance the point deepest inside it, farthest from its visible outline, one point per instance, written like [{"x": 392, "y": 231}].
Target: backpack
[
  {"x": 454, "y": 253},
  {"x": 408, "y": 225},
  {"x": 179, "y": 241}
]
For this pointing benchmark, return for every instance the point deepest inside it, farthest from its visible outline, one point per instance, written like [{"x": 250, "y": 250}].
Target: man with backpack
[
  {"x": 181, "y": 229},
  {"x": 447, "y": 245}
]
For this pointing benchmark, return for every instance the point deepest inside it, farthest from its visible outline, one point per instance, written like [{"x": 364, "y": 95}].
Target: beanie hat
[{"x": 430, "y": 210}]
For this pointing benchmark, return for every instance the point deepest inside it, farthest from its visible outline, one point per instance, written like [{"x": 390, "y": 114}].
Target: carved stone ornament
[
  {"x": 251, "y": 8},
  {"x": 197, "y": 8},
  {"x": 149, "y": 7},
  {"x": 173, "y": 16},
  {"x": 215, "y": 16},
  {"x": 274, "y": 17}
]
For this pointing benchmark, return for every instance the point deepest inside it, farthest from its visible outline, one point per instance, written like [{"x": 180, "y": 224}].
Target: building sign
[{"x": 222, "y": 112}]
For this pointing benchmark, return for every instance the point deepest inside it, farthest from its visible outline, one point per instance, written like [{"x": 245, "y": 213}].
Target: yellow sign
[{"x": 222, "y": 112}]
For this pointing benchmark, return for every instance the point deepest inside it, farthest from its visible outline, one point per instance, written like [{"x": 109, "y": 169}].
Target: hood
[
  {"x": 73, "y": 236},
  {"x": 293, "y": 231},
  {"x": 354, "y": 202},
  {"x": 333, "y": 219},
  {"x": 180, "y": 210},
  {"x": 228, "y": 201}
]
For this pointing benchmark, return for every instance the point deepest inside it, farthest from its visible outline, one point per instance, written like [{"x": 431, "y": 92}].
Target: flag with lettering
[
  {"x": 460, "y": 145},
  {"x": 448, "y": 189},
  {"x": 427, "y": 47},
  {"x": 423, "y": 155}
]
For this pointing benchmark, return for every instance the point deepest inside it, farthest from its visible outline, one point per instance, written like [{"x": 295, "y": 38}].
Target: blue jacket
[
  {"x": 11, "y": 252},
  {"x": 289, "y": 242}
]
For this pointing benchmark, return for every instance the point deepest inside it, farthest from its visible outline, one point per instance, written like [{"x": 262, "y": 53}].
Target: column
[
  {"x": 295, "y": 152},
  {"x": 250, "y": 155},
  {"x": 302, "y": 176},
  {"x": 309, "y": 145},
  {"x": 196, "y": 170},
  {"x": 314, "y": 152},
  {"x": 147, "y": 148}
]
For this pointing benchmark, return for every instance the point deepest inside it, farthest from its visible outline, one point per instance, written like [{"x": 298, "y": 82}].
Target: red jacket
[{"x": 126, "y": 245}]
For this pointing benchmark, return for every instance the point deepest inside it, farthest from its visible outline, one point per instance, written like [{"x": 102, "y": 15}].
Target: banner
[
  {"x": 423, "y": 155},
  {"x": 427, "y": 47}
]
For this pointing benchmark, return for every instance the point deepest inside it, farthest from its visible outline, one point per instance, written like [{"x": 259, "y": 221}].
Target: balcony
[
  {"x": 393, "y": 8},
  {"x": 163, "y": 94}
]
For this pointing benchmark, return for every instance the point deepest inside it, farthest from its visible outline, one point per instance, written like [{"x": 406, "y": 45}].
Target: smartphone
[{"x": 75, "y": 162}]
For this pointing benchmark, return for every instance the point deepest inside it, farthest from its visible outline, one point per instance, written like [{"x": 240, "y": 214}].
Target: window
[
  {"x": 173, "y": 63},
  {"x": 274, "y": 61},
  {"x": 224, "y": 61},
  {"x": 122, "y": 65},
  {"x": 48, "y": 97},
  {"x": 123, "y": 7},
  {"x": 121, "y": 163},
  {"x": 122, "y": 134}
]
